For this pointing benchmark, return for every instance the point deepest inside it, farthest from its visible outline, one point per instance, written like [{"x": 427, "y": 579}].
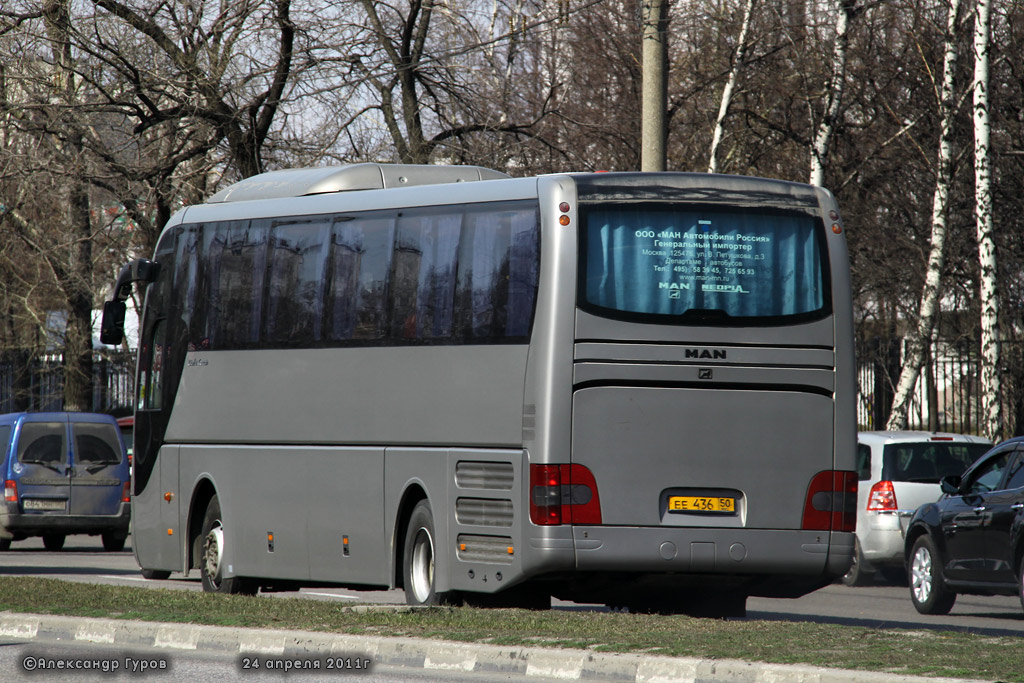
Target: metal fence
[
  {"x": 36, "y": 382},
  {"x": 948, "y": 393}
]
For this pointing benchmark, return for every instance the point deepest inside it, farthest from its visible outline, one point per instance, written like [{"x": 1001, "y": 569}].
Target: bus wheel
[
  {"x": 418, "y": 560},
  {"x": 211, "y": 567},
  {"x": 53, "y": 541}
]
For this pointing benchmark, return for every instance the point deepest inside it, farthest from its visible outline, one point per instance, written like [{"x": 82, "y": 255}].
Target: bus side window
[
  {"x": 295, "y": 282},
  {"x": 498, "y": 269},
  {"x": 423, "y": 276},
  {"x": 360, "y": 266}
]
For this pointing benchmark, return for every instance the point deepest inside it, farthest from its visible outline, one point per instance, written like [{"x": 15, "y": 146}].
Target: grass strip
[{"x": 923, "y": 653}]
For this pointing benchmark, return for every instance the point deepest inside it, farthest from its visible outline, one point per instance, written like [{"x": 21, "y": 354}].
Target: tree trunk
[
  {"x": 920, "y": 336},
  {"x": 991, "y": 385},
  {"x": 730, "y": 86},
  {"x": 833, "y": 101}
]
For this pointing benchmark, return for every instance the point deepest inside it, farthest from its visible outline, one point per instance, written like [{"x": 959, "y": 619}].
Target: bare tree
[
  {"x": 989, "y": 291},
  {"x": 730, "y": 85},
  {"x": 919, "y": 339}
]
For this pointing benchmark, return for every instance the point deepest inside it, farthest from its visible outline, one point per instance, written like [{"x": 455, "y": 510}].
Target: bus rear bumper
[{"x": 787, "y": 563}]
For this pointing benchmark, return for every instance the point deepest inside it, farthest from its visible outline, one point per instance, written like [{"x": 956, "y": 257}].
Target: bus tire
[
  {"x": 211, "y": 564},
  {"x": 928, "y": 590},
  {"x": 418, "y": 564},
  {"x": 53, "y": 541}
]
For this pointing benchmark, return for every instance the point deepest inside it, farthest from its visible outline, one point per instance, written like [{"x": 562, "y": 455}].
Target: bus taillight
[
  {"x": 563, "y": 494},
  {"x": 831, "y": 503}
]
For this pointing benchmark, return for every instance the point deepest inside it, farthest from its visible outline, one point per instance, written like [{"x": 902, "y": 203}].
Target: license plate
[
  {"x": 42, "y": 504},
  {"x": 701, "y": 504}
]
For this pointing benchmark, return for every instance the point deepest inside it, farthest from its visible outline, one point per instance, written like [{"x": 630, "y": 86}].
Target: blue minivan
[{"x": 63, "y": 473}]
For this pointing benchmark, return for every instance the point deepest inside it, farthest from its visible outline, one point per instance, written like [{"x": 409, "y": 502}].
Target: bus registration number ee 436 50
[{"x": 701, "y": 504}]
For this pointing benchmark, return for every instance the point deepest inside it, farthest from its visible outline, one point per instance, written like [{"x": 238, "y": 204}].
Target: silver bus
[{"x": 623, "y": 388}]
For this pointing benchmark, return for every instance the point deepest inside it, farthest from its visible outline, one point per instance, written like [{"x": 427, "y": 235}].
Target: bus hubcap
[
  {"x": 213, "y": 551},
  {"x": 422, "y": 565}
]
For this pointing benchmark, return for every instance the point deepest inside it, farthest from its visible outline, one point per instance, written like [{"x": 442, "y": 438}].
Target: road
[{"x": 879, "y": 606}]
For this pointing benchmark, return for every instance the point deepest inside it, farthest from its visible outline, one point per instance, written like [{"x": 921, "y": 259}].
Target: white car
[{"x": 899, "y": 471}]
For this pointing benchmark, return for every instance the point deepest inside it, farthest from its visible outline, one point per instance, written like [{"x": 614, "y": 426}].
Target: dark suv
[
  {"x": 972, "y": 539},
  {"x": 63, "y": 473}
]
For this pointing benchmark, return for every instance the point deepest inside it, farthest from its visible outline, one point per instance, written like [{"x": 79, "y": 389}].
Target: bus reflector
[
  {"x": 831, "y": 503},
  {"x": 563, "y": 494}
]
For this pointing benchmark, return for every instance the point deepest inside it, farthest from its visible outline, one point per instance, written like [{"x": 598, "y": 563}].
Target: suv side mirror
[
  {"x": 950, "y": 484},
  {"x": 112, "y": 326}
]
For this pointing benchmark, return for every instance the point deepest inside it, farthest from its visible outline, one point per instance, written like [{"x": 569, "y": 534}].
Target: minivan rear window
[
  {"x": 44, "y": 443},
  {"x": 928, "y": 462},
  {"x": 96, "y": 444}
]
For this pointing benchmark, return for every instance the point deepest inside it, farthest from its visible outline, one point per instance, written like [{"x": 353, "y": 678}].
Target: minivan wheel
[
  {"x": 5, "y": 544},
  {"x": 928, "y": 590},
  {"x": 860, "y": 573},
  {"x": 53, "y": 541},
  {"x": 211, "y": 568},
  {"x": 113, "y": 543},
  {"x": 156, "y": 574}
]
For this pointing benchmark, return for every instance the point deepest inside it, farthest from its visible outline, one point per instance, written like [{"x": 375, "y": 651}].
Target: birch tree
[
  {"x": 730, "y": 85},
  {"x": 989, "y": 293},
  {"x": 846, "y": 10},
  {"x": 919, "y": 338}
]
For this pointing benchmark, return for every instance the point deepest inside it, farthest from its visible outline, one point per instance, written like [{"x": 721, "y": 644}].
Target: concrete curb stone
[{"x": 430, "y": 655}]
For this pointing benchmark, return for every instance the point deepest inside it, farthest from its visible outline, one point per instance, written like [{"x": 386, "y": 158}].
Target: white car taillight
[{"x": 882, "y": 497}]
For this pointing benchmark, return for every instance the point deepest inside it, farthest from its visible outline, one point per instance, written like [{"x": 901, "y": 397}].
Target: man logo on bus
[{"x": 705, "y": 353}]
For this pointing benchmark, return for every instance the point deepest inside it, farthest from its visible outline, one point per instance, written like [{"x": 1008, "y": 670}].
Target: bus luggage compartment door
[{"x": 693, "y": 457}]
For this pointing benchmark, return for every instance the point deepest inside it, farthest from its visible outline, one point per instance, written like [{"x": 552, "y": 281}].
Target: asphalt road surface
[{"x": 880, "y": 606}]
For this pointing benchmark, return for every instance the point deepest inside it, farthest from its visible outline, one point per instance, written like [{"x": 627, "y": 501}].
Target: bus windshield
[{"x": 693, "y": 264}]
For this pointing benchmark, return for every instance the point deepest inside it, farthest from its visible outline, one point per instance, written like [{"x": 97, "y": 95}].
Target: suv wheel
[{"x": 928, "y": 590}]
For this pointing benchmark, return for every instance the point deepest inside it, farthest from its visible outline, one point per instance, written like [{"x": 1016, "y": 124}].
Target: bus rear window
[{"x": 695, "y": 264}]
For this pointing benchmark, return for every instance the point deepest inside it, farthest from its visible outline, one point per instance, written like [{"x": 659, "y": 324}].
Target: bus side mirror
[
  {"x": 950, "y": 484},
  {"x": 112, "y": 325}
]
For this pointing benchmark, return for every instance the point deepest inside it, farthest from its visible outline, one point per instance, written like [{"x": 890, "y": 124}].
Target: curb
[{"x": 276, "y": 648}]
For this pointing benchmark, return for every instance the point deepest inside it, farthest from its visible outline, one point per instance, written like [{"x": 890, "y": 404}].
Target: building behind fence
[{"x": 947, "y": 396}]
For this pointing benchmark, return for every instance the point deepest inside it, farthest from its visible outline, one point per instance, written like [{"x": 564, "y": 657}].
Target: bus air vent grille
[
  {"x": 495, "y": 549},
  {"x": 490, "y": 476},
  {"x": 483, "y": 512}
]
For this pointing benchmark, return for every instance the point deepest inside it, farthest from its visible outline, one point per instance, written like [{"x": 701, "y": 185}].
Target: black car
[{"x": 972, "y": 539}]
